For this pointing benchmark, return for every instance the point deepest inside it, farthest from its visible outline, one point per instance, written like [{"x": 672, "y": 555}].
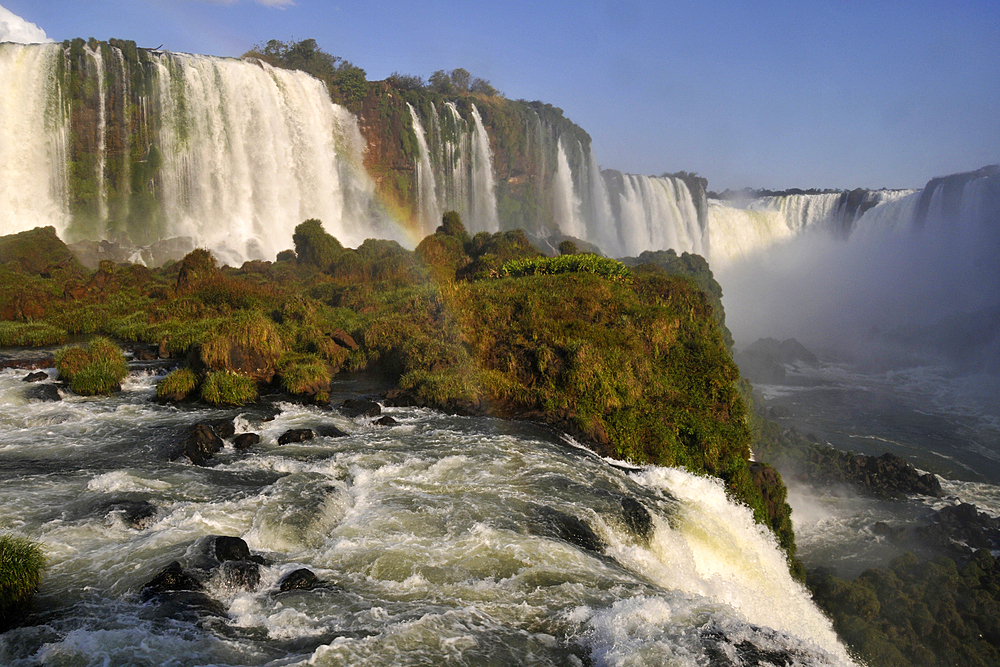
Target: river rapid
[{"x": 439, "y": 540}]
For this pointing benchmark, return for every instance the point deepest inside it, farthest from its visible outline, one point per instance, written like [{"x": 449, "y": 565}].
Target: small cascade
[
  {"x": 427, "y": 205},
  {"x": 655, "y": 213}
]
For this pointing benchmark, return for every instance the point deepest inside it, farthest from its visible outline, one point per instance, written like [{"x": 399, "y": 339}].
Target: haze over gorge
[{"x": 456, "y": 536}]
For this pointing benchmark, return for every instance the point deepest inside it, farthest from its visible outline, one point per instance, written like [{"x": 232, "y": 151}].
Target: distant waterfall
[{"x": 484, "y": 203}]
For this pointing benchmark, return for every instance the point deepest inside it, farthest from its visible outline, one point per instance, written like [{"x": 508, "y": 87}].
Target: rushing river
[{"x": 438, "y": 540}]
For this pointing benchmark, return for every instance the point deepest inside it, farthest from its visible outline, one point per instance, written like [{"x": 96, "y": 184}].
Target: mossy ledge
[{"x": 630, "y": 360}]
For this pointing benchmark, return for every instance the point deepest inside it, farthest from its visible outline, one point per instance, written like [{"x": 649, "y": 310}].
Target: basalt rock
[
  {"x": 637, "y": 518},
  {"x": 224, "y": 429},
  {"x": 245, "y": 440},
  {"x": 43, "y": 392},
  {"x": 889, "y": 476},
  {"x": 240, "y": 574},
  {"x": 200, "y": 444},
  {"x": 386, "y": 420},
  {"x": 301, "y": 579},
  {"x": 359, "y": 407},
  {"x": 37, "y": 376},
  {"x": 171, "y": 578},
  {"x": 296, "y": 435},
  {"x": 136, "y": 514}
]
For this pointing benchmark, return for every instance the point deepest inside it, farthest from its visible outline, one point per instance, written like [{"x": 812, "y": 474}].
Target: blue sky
[{"x": 837, "y": 93}]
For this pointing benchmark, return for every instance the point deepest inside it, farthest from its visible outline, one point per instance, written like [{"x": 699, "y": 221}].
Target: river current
[{"x": 438, "y": 540}]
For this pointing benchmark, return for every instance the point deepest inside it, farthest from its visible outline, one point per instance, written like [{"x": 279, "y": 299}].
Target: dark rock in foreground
[
  {"x": 359, "y": 407},
  {"x": 37, "y": 376},
  {"x": 43, "y": 392},
  {"x": 301, "y": 579},
  {"x": 245, "y": 440},
  {"x": 200, "y": 445},
  {"x": 296, "y": 435}
]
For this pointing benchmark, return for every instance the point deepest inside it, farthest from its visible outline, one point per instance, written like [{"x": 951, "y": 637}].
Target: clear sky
[{"x": 769, "y": 94}]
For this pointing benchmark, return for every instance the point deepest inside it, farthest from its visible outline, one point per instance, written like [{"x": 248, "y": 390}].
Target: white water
[
  {"x": 566, "y": 201},
  {"x": 436, "y": 538},
  {"x": 484, "y": 200},
  {"x": 250, "y": 151},
  {"x": 658, "y": 213},
  {"x": 33, "y": 140},
  {"x": 430, "y": 212}
]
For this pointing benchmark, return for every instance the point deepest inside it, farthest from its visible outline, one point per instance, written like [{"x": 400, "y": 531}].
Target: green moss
[
  {"x": 228, "y": 388},
  {"x": 21, "y": 564},
  {"x": 177, "y": 384}
]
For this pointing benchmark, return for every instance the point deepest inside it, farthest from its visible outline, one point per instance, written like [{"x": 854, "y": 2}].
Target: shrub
[
  {"x": 228, "y": 388},
  {"x": 601, "y": 266},
  {"x": 177, "y": 385},
  {"x": 305, "y": 375},
  {"x": 313, "y": 246},
  {"x": 451, "y": 225},
  {"x": 196, "y": 266},
  {"x": 21, "y": 564},
  {"x": 567, "y": 247},
  {"x": 248, "y": 342},
  {"x": 97, "y": 369}
]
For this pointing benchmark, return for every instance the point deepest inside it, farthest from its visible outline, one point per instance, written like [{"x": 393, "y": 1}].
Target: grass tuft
[
  {"x": 228, "y": 388},
  {"x": 21, "y": 564}
]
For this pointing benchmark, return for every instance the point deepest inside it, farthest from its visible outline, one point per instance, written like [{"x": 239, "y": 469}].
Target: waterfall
[
  {"x": 34, "y": 135},
  {"x": 229, "y": 153},
  {"x": 484, "y": 203},
  {"x": 565, "y": 198},
  {"x": 427, "y": 205}
]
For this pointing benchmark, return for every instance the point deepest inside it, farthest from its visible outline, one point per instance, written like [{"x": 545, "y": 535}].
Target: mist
[{"x": 916, "y": 282}]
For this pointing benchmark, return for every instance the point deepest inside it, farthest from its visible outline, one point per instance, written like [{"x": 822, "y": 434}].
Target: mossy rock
[
  {"x": 249, "y": 343},
  {"x": 305, "y": 375},
  {"x": 39, "y": 251},
  {"x": 21, "y": 564}
]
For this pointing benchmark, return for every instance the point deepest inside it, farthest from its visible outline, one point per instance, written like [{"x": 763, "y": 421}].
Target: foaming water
[{"x": 439, "y": 540}]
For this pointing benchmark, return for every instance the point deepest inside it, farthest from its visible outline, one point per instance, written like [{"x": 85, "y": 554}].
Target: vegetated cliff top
[{"x": 631, "y": 361}]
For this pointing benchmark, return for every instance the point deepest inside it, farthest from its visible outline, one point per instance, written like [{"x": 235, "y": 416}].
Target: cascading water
[
  {"x": 430, "y": 213},
  {"x": 566, "y": 201},
  {"x": 33, "y": 140},
  {"x": 439, "y": 540},
  {"x": 232, "y": 154},
  {"x": 484, "y": 201}
]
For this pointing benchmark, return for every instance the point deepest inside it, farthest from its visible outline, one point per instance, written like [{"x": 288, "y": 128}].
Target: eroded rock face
[{"x": 890, "y": 475}]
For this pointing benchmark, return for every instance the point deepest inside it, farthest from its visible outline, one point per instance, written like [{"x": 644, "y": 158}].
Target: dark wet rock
[
  {"x": 359, "y": 407},
  {"x": 171, "y": 578},
  {"x": 200, "y": 444},
  {"x": 889, "y": 476},
  {"x": 37, "y": 376},
  {"x": 245, "y": 440},
  {"x": 240, "y": 574},
  {"x": 386, "y": 420},
  {"x": 301, "y": 579},
  {"x": 570, "y": 529},
  {"x": 962, "y": 527},
  {"x": 231, "y": 548},
  {"x": 638, "y": 520},
  {"x": 224, "y": 429},
  {"x": 136, "y": 514},
  {"x": 331, "y": 432},
  {"x": 296, "y": 435},
  {"x": 43, "y": 392}
]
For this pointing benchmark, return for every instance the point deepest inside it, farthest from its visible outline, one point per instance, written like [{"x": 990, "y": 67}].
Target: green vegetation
[
  {"x": 177, "y": 385},
  {"x": 30, "y": 334},
  {"x": 21, "y": 564},
  {"x": 346, "y": 81},
  {"x": 927, "y": 614},
  {"x": 600, "y": 266},
  {"x": 228, "y": 388},
  {"x": 97, "y": 369}
]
